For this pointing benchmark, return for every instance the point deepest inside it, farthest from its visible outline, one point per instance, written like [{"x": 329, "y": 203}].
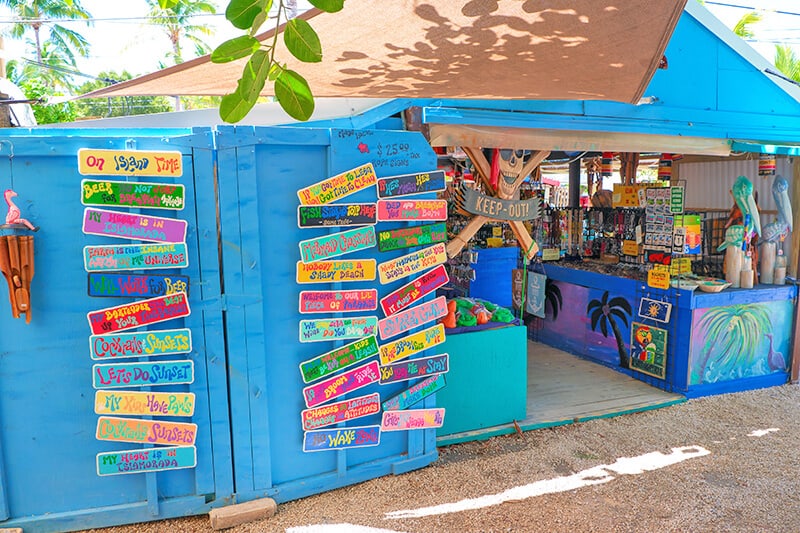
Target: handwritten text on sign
[
  {"x": 334, "y": 387},
  {"x": 393, "y": 210},
  {"x": 407, "y": 346},
  {"x": 135, "y": 257},
  {"x": 140, "y": 313},
  {"x": 412, "y": 318},
  {"x": 397, "y": 239},
  {"x": 337, "y": 439},
  {"x": 408, "y": 184},
  {"x": 499, "y": 209},
  {"x": 412, "y": 419},
  {"x": 141, "y": 286},
  {"x": 145, "y": 431},
  {"x": 130, "y": 226},
  {"x": 141, "y": 374},
  {"x": 336, "y": 271},
  {"x": 149, "y": 460},
  {"x": 343, "y": 411},
  {"x": 337, "y": 328},
  {"x": 415, "y": 394},
  {"x": 338, "y": 301},
  {"x": 144, "y": 344},
  {"x": 338, "y": 186},
  {"x": 337, "y": 244},
  {"x": 338, "y": 359},
  {"x": 414, "y": 368},
  {"x": 144, "y": 403},
  {"x": 129, "y": 163},
  {"x": 412, "y": 263},
  {"x": 414, "y": 291},
  {"x": 132, "y": 194},
  {"x": 317, "y": 216}
]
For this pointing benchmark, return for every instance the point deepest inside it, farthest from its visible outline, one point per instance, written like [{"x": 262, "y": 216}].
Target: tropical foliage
[
  {"x": 742, "y": 27},
  {"x": 118, "y": 106},
  {"x": 787, "y": 62},
  {"x": 176, "y": 21},
  {"x": 35, "y": 88},
  {"x": 605, "y": 313},
  {"x": 552, "y": 295}
]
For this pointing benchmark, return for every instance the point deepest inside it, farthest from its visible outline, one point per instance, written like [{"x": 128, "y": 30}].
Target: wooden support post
[{"x": 575, "y": 183}]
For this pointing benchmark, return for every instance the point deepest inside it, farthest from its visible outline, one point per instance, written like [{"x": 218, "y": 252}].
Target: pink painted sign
[
  {"x": 412, "y": 318},
  {"x": 141, "y": 313},
  {"x": 343, "y": 411},
  {"x": 133, "y": 226},
  {"x": 412, "y": 419},
  {"x": 414, "y": 291},
  {"x": 338, "y": 301},
  {"x": 342, "y": 384},
  {"x": 406, "y": 265},
  {"x": 392, "y": 210}
]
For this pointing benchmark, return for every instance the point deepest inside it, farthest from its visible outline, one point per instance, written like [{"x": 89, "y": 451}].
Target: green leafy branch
[{"x": 291, "y": 89}]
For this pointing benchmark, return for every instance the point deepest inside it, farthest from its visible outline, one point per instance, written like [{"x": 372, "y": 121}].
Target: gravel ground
[{"x": 749, "y": 482}]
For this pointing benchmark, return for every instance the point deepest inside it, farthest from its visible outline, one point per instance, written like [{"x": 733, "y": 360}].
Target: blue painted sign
[
  {"x": 132, "y": 285},
  {"x": 135, "y": 257},
  {"x": 140, "y": 344},
  {"x": 149, "y": 460},
  {"x": 415, "y": 394},
  {"x": 336, "y": 439},
  {"x": 655, "y": 310},
  {"x": 117, "y": 375}
]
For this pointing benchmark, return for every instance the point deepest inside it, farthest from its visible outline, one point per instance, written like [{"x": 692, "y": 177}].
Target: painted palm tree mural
[
  {"x": 552, "y": 295},
  {"x": 605, "y": 313}
]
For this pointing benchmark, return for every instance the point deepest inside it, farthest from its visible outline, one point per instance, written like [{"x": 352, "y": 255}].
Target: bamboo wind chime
[{"x": 16, "y": 260}]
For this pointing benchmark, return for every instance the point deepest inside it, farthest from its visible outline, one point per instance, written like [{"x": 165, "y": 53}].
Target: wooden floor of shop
[{"x": 564, "y": 389}]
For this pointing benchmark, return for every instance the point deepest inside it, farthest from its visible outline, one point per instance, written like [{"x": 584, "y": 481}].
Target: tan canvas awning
[{"x": 499, "y": 49}]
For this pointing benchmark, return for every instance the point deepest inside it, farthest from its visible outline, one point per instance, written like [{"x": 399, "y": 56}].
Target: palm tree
[
  {"x": 742, "y": 27},
  {"x": 787, "y": 62},
  {"x": 552, "y": 295},
  {"x": 176, "y": 21},
  {"x": 605, "y": 312},
  {"x": 52, "y": 70}
]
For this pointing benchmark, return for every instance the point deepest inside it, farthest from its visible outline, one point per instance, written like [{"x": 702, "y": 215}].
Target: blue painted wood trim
[
  {"x": 4, "y": 511},
  {"x": 241, "y": 136},
  {"x": 761, "y": 293},
  {"x": 758, "y": 382}
]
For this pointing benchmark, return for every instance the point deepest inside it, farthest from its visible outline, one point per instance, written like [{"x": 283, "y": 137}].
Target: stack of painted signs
[
  {"x": 123, "y": 388},
  {"x": 352, "y": 366}
]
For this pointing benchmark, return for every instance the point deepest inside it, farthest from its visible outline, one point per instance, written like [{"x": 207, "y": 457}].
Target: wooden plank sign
[
  {"x": 338, "y": 359},
  {"x": 338, "y": 439},
  {"x": 136, "y": 286},
  {"x": 336, "y": 271},
  {"x": 339, "y": 186},
  {"x": 655, "y": 310},
  {"x": 146, "y": 460},
  {"x": 141, "y": 313},
  {"x": 145, "y": 431},
  {"x": 412, "y": 419},
  {"x": 132, "y": 194},
  {"x": 412, "y": 263},
  {"x": 135, "y": 257},
  {"x": 499, "y": 208},
  {"x": 132, "y": 226},
  {"x": 341, "y": 243},
  {"x": 93, "y": 162},
  {"x": 142, "y": 374},
  {"x": 144, "y": 403},
  {"x": 408, "y": 184},
  {"x": 338, "y": 301},
  {"x": 334, "y": 329},
  {"x": 144, "y": 344},
  {"x": 408, "y": 346},
  {"x": 341, "y": 215},
  {"x": 415, "y": 368},
  {"x": 406, "y": 210},
  {"x": 397, "y": 239},
  {"x": 343, "y": 411},
  {"x": 414, "y": 291},
  {"x": 412, "y": 318},
  {"x": 415, "y": 394},
  {"x": 336, "y": 386}
]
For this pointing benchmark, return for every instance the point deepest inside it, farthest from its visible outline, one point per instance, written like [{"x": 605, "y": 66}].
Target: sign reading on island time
[
  {"x": 135, "y": 257},
  {"x": 132, "y": 226},
  {"x": 144, "y": 344},
  {"x": 143, "y": 403},
  {"x": 132, "y": 194},
  {"x": 136, "y": 286},
  {"x": 408, "y": 184},
  {"x": 141, "y": 313},
  {"x": 146, "y": 460},
  {"x": 336, "y": 271},
  {"x": 338, "y": 186},
  {"x": 317, "y": 216},
  {"x": 93, "y": 162},
  {"x": 145, "y": 431},
  {"x": 338, "y": 301}
]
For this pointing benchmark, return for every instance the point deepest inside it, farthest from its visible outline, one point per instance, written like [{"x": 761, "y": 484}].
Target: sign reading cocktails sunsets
[
  {"x": 132, "y": 226},
  {"x": 144, "y": 344},
  {"x": 145, "y": 431},
  {"x": 93, "y": 162},
  {"x": 338, "y": 186},
  {"x": 132, "y": 194}
]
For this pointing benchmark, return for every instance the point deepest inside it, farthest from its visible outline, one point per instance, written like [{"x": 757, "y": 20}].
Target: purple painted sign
[
  {"x": 412, "y": 318},
  {"x": 342, "y": 384},
  {"x": 338, "y": 438},
  {"x": 412, "y": 419},
  {"x": 131, "y": 226}
]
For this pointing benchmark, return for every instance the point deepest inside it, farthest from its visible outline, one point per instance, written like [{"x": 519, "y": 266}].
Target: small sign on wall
[
  {"x": 337, "y": 244},
  {"x": 92, "y": 162},
  {"x": 339, "y": 215},
  {"x": 408, "y": 346},
  {"x": 137, "y": 314},
  {"x": 146, "y": 460},
  {"x": 135, "y": 257},
  {"x": 412, "y": 263},
  {"x": 414, "y": 368},
  {"x": 350, "y": 301},
  {"x": 132, "y": 194},
  {"x": 649, "y": 350},
  {"x": 412, "y": 210},
  {"x": 338, "y": 439},
  {"x": 343, "y": 411},
  {"x": 336, "y": 271},
  {"x": 409, "y": 184},
  {"x": 145, "y": 431},
  {"x": 339, "y": 186},
  {"x": 143, "y": 344},
  {"x": 414, "y": 291},
  {"x": 412, "y": 419}
]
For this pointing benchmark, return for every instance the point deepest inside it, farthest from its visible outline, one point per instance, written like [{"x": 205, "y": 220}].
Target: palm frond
[
  {"x": 616, "y": 312},
  {"x": 622, "y": 303}
]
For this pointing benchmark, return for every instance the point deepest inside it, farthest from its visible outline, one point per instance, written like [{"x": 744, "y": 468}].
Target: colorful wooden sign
[
  {"x": 498, "y": 208},
  {"x": 338, "y": 301},
  {"x": 142, "y": 374},
  {"x": 339, "y": 186},
  {"x": 676, "y": 202},
  {"x": 415, "y": 368},
  {"x": 338, "y": 359},
  {"x": 408, "y": 184},
  {"x": 414, "y": 291},
  {"x": 338, "y": 439},
  {"x": 406, "y": 210},
  {"x": 343, "y": 411},
  {"x": 397, "y": 239},
  {"x": 655, "y": 310},
  {"x": 137, "y": 314},
  {"x": 144, "y": 344},
  {"x": 658, "y": 278},
  {"x": 133, "y": 226},
  {"x": 649, "y": 350},
  {"x": 334, "y": 329},
  {"x": 412, "y": 318},
  {"x": 551, "y": 254},
  {"x": 408, "y": 346},
  {"x": 144, "y": 403},
  {"x": 412, "y": 419},
  {"x": 412, "y": 263},
  {"x": 93, "y": 162},
  {"x": 136, "y": 286},
  {"x": 145, "y": 431},
  {"x": 341, "y": 215},
  {"x": 132, "y": 194},
  {"x": 146, "y": 460},
  {"x": 336, "y": 271},
  {"x": 135, "y": 257},
  {"x": 415, "y": 394},
  {"x": 336, "y": 386},
  {"x": 341, "y": 243}
]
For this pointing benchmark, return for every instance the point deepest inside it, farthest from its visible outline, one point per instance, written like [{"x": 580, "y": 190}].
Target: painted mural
[{"x": 740, "y": 341}]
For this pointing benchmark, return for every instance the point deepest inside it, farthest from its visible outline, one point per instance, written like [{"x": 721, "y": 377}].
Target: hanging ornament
[
  {"x": 606, "y": 164},
  {"x": 766, "y": 165},
  {"x": 665, "y": 167}
]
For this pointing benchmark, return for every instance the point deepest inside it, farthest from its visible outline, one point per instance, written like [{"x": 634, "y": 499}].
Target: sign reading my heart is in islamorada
[
  {"x": 499, "y": 209},
  {"x": 132, "y": 226},
  {"x": 408, "y": 184},
  {"x": 132, "y": 194}
]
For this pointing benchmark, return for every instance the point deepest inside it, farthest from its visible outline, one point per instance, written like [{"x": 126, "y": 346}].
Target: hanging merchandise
[
  {"x": 766, "y": 165},
  {"x": 535, "y": 293},
  {"x": 606, "y": 164},
  {"x": 665, "y": 167}
]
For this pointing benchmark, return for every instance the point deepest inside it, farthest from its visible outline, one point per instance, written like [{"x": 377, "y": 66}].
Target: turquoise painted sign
[
  {"x": 333, "y": 329},
  {"x": 337, "y": 244},
  {"x": 415, "y": 394},
  {"x": 149, "y": 460},
  {"x": 336, "y": 439},
  {"x": 117, "y": 375},
  {"x": 135, "y": 257}
]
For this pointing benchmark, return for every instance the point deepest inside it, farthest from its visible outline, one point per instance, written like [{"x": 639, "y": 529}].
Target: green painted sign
[
  {"x": 338, "y": 359},
  {"x": 397, "y": 239},
  {"x": 676, "y": 199},
  {"x": 132, "y": 194}
]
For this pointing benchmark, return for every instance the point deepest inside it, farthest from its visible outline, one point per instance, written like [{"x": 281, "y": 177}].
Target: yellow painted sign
[
  {"x": 630, "y": 248},
  {"x": 680, "y": 265},
  {"x": 145, "y": 431},
  {"x": 658, "y": 278},
  {"x": 551, "y": 254},
  {"x": 407, "y": 346},
  {"x": 129, "y": 163},
  {"x": 412, "y": 263},
  {"x": 108, "y": 402},
  {"x": 627, "y": 195},
  {"x": 338, "y": 186},
  {"x": 336, "y": 271}
]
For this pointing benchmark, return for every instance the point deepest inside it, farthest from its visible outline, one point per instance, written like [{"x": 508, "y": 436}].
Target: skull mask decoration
[{"x": 512, "y": 164}]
